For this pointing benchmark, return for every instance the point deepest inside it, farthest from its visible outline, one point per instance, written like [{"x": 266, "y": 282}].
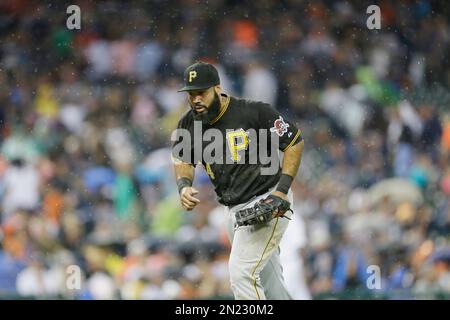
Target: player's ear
[{"x": 218, "y": 89}]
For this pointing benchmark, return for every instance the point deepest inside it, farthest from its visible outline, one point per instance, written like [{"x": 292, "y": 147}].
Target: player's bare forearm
[
  {"x": 291, "y": 163},
  {"x": 292, "y": 159},
  {"x": 183, "y": 170}
]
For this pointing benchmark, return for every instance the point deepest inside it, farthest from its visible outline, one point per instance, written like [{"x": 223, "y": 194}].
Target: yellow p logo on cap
[{"x": 192, "y": 75}]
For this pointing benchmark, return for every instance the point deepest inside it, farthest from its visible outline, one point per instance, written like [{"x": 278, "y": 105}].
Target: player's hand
[
  {"x": 188, "y": 201},
  {"x": 283, "y": 196}
]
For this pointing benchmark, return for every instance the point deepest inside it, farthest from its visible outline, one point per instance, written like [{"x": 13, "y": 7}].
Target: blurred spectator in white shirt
[
  {"x": 260, "y": 84},
  {"x": 21, "y": 187},
  {"x": 291, "y": 246}
]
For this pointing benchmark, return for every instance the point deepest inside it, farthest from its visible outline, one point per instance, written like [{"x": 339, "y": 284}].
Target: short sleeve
[{"x": 287, "y": 132}]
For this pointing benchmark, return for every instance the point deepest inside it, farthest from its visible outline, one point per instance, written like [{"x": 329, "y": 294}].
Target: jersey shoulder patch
[{"x": 280, "y": 127}]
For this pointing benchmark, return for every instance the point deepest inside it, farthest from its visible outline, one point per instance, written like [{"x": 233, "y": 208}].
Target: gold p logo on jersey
[
  {"x": 192, "y": 75},
  {"x": 237, "y": 141}
]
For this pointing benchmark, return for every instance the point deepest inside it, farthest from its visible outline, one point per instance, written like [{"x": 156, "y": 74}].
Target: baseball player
[{"x": 257, "y": 204}]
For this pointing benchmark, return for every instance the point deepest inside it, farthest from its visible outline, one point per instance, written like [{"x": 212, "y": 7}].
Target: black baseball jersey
[{"x": 235, "y": 174}]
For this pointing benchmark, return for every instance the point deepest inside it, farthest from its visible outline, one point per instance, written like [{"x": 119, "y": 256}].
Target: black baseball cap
[{"x": 200, "y": 75}]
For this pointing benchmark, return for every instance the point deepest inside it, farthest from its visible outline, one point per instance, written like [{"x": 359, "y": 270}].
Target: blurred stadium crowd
[{"x": 85, "y": 123}]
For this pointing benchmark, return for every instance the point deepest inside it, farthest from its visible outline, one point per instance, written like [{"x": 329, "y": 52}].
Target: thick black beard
[{"x": 210, "y": 113}]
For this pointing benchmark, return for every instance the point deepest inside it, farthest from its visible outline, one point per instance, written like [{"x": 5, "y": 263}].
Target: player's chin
[{"x": 200, "y": 110}]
